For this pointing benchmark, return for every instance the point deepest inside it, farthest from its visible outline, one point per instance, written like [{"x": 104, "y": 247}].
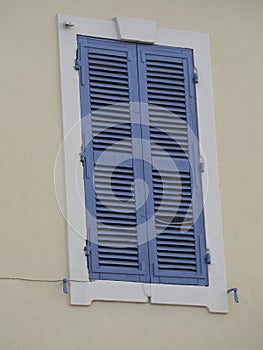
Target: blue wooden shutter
[
  {"x": 177, "y": 252},
  {"x": 108, "y": 84}
]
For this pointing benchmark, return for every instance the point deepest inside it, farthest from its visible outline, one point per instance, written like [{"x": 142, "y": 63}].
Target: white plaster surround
[
  {"x": 135, "y": 29},
  {"x": 82, "y": 291}
]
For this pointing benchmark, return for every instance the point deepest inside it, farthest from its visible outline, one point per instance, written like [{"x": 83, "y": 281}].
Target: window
[
  {"x": 153, "y": 234},
  {"x": 142, "y": 167}
]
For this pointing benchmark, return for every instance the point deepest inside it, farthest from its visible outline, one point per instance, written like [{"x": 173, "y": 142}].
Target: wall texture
[{"x": 33, "y": 234}]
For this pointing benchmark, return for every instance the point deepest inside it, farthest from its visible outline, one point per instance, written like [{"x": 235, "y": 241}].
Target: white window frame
[{"x": 83, "y": 291}]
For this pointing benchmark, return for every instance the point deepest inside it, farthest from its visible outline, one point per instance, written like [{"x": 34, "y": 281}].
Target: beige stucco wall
[{"x": 33, "y": 231}]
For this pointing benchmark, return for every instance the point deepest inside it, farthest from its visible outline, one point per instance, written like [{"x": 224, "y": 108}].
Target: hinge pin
[
  {"x": 82, "y": 157},
  {"x": 86, "y": 250},
  {"x": 196, "y": 78},
  {"x": 77, "y": 65},
  {"x": 208, "y": 258}
]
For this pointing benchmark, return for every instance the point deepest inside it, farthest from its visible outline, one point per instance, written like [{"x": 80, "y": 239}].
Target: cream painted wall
[{"x": 33, "y": 235}]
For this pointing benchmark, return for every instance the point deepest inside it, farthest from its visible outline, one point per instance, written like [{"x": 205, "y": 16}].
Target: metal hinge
[
  {"x": 82, "y": 157},
  {"x": 196, "y": 78},
  {"x": 208, "y": 258},
  {"x": 202, "y": 167},
  {"x": 86, "y": 249},
  {"x": 77, "y": 64}
]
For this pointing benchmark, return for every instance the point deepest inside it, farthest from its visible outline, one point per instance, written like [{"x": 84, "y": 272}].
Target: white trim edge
[{"x": 214, "y": 297}]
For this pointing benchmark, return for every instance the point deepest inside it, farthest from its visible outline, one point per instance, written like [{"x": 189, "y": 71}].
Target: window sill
[{"x": 85, "y": 293}]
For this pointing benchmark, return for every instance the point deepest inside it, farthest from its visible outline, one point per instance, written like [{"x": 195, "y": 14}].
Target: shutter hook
[
  {"x": 235, "y": 290},
  {"x": 65, "y": 285},
  {"x": 68, "y": 24}
]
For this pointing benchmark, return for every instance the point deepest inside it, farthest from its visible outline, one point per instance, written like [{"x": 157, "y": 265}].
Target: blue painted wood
[
  {"x": 172, "y": 248},
  {"x": 109, "y": 71},
  {"x": 177, "y": 254}
]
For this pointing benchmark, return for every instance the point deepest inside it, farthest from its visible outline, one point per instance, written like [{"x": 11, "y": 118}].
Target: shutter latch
[{"x": 208, "y": 258}]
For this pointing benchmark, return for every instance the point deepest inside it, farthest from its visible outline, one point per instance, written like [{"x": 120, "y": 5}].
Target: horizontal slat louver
[
  {"x": 117, "y": 232},
  {"x": 174, "y": 221},
  {"x": 109, "y": 100},
  {"x": 167, "y": 108}
]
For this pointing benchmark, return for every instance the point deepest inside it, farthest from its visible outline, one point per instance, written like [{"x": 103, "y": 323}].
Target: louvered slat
[
  {"x": 169, "y": 139},
  {"x": 167, "y": 210},
  {"x": 105, "y": 132},
  {"x": 113, "y": 247}
]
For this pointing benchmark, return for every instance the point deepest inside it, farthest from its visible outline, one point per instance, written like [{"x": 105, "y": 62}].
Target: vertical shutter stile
[
  {"x": 112, "y": 194},
  {"x": 177, "y": 248}
]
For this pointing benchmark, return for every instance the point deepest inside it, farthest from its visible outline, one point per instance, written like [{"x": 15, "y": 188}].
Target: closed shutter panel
[
  {"x": 177, "y": 250},
  {"x": 107, "y": 86}
]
